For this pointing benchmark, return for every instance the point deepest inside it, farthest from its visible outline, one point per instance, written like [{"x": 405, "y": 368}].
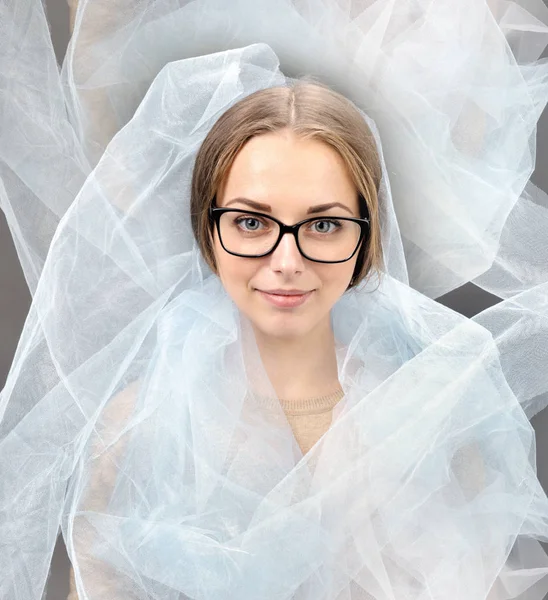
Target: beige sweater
[{"x": 309, "y": 419}]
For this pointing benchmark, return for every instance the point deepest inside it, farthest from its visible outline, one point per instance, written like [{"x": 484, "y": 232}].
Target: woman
[
  {"x": 150, "y": 409},
  {"x": 287, "y": 155}
]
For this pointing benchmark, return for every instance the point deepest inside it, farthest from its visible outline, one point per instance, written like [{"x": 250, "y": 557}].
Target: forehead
[{"x": 288, "y": 172}]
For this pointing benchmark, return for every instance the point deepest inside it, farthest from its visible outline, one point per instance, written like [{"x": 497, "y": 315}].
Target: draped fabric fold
[{"x": 131, "y": 419}]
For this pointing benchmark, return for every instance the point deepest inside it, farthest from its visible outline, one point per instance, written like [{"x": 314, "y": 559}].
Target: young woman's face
[{"x": 288, "y": 178}]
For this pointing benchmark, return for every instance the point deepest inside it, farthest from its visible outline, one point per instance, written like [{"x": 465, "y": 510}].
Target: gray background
[{"x": 15, "y": 300}]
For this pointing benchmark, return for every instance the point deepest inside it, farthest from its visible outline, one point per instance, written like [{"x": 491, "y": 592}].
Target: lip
[{"x": 286, "y": 298}]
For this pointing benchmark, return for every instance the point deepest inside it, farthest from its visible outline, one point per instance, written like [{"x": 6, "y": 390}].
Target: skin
[{"x": 290, "y": 175}]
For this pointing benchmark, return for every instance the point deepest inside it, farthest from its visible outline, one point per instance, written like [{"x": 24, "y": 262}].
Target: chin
[
  {"x": 282, "y": 334},
  {"x": 286, "y": 326}
]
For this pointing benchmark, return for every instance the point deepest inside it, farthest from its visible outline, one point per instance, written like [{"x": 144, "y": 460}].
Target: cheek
[
  {"x": 234, "y": 272},
  {"x": 336, "y": 278}
]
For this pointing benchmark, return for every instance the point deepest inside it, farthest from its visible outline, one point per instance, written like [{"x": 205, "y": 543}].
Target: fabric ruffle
[{"x": 124, "y": 421}]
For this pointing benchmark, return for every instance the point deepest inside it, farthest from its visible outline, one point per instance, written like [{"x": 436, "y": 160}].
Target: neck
[{"x": 303, "y": 367}]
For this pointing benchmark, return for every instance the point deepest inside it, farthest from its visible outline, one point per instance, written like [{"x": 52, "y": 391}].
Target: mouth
[{"x": 286, "y": 298}]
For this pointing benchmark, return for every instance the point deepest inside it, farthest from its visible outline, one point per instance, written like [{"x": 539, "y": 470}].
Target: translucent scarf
[{"x": 128, "y": 421}]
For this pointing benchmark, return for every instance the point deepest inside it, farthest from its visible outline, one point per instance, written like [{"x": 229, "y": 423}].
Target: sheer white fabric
[{"x": 129, "y": 417}]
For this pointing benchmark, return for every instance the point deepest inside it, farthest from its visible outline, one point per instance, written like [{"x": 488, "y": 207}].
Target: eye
[
  {"x": 249, "y": 223},
  {"x": 325, "y": 226}
]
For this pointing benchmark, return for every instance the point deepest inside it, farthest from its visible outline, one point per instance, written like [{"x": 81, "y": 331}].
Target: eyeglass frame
[{"x": 215, "y": 214}]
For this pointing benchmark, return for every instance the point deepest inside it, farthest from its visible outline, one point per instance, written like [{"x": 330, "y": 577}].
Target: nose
[{"x": 287, "y": 259}]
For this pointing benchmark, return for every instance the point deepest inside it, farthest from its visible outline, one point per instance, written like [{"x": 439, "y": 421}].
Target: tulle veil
[{"x": 127, "y": 421}]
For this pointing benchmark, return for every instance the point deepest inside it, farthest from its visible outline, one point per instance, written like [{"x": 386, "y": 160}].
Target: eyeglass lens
[{"x": 324, "y": 239}]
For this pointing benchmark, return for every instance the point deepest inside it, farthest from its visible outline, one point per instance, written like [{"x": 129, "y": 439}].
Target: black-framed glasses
[{"x": 324, "y": 239}]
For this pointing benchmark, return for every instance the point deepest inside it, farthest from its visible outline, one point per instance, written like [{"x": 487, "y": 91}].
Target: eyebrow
[{"x": 318, "y": 208}]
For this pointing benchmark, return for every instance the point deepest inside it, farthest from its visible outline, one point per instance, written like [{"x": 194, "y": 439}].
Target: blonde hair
[{"x": 312, "y": 111}]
